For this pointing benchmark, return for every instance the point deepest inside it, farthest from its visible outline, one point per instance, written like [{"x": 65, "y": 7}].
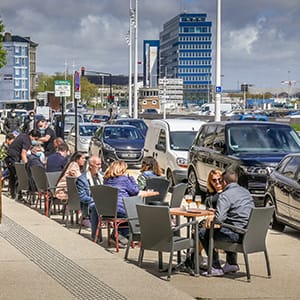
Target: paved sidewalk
[{"x": 41, "y": 259}]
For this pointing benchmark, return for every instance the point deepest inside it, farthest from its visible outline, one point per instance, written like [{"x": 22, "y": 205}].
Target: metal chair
[
  {"x": 40, "y": 180},
  {"x": 157, "y": 234},
  {"x": 159, "y": 184},
  {"x": 133, "y": 221},
  {"x": 178, "y": 194},
  {"x": 253, "y": 240},
  {"x": 106, "y": 202},
  {"x": 23, "y": 181},
  {"x": 73, "y": 205},
  {"x": 52, "y": 179}
]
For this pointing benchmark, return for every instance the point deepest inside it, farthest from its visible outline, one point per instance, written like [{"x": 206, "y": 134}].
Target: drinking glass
[
  {"x": 188, "y": 200},
  {"x": 198, "y": 201}
]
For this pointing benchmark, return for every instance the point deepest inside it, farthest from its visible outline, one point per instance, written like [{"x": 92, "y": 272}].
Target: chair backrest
[
  {"x": 22, "y": 175},
  {"x": 155, "y": 226},
  {"x": 73, "y": 196},
  {"x": 259, "y": 222},
  {"x": 130, "y": 207},
  {"x": 52, "y": 178},
  {"x": 40, "y": 178},
  {"x": 178, "y": 194},
  {"x": 106, "y": 200},
  {"x": 159, "y": 184}
]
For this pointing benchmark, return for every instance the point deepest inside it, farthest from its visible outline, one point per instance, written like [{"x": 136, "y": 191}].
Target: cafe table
[{"x": 191, "y": 214}]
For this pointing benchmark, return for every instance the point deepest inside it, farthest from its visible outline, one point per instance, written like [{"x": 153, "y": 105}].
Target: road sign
[
  {"x": 62, "y": 88},
  {"x": 218, "y": 89}
]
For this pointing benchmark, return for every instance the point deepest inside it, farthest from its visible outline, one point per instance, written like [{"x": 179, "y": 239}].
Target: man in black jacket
[{"x": 12, "y": 123}]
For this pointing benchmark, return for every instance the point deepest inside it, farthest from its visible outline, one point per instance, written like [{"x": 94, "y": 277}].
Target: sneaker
[
  {"x": 214, "y": 273},
  {"x": 86, "y": 223},
  {"x": 123, "y": 240},
  {"x": 230, "y": 268},
  {"x": 203, "y": 262}
]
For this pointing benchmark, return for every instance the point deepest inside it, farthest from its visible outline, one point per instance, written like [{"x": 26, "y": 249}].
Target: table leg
[
  {"x": 210, "y": 249},
  {"x": 196, "y": 249}
]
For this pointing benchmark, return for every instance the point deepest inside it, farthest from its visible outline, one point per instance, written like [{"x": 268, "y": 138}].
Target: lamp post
[
  {"x": 131, "y": 24},
  {"x": 135, "y": 107},
  {"x": 218, "y": 64}
]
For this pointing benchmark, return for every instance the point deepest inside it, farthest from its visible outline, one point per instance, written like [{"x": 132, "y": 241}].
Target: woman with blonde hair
[{"x": 214, "y": 188}]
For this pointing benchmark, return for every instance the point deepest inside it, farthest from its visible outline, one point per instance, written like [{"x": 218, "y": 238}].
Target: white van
[
  {"x": 209, "y": 108},
  {"x": 169, "y": 141}
]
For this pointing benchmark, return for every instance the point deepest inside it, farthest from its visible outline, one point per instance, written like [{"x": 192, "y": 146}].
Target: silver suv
[{"x": 257, "y": 147}]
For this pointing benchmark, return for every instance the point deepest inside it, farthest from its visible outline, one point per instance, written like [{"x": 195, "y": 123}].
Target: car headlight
[
  {"x": 108, "y": 147},
  {"x": 252, "y": 170},
  {"x": 182, "y": 162}
]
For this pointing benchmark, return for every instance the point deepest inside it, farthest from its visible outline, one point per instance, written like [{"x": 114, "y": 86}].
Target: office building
[
  {"x": 18, "y": 76},
  {"x": 186, "y": 53}
]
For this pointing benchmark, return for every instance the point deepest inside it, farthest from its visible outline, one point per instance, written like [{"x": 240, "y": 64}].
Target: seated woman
[
  {"x": 73, "y": 168},
  {"x": 214, "y": 188},
  {"x": 149, "y": 168},
  {"x": 116, "y": 175}
]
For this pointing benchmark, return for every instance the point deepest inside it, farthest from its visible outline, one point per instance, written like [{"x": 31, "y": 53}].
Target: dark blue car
[
  {"x": 118, "y": 142},
  {"x": 138, "y": 123}
]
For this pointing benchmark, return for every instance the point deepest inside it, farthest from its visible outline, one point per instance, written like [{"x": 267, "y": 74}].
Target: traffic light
[
  {"x": 82, "y": 71},
  {"x": 244, "y": 87},
  {"x": 110, "y": 98}
]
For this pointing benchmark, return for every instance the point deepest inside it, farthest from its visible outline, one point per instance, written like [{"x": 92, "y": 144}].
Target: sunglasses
[{"x": 215, "y": 180}]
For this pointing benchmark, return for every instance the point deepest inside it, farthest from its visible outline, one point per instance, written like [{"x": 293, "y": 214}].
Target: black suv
[{"x": 257, "y": 147}]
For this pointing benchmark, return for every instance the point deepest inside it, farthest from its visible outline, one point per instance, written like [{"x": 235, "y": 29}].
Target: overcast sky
[{"x": 260, "y": 38}]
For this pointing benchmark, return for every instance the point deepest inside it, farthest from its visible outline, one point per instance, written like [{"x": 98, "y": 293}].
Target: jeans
[
  {"x": 94, "y": 220},
  {"x": 221, "y": 234},
  {"x": 123, "y": 229}
]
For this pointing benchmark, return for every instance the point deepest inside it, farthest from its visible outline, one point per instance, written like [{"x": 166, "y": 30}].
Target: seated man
[
  {"x": 84, "y": 181},
  {"x": 233, "y": 207},
  {"x": 57, "y": 161}
]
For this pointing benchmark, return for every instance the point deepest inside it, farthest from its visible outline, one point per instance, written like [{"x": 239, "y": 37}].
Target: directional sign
[
  {"x": 62, "y": 88},
  {"x": 218, "y": 89}
]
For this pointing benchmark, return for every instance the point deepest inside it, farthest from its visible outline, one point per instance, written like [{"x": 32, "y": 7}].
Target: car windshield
[
  {"x": 181, "y": 140},
  {"x": 140, "y": 125},
  {"x": 262, "y": 138},
  {"x": 87, "y": 130},
  {"x": 125, "y": 133}
]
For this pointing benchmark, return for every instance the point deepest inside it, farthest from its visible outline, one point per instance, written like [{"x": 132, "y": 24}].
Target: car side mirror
[{"x": 160, "y": 147}]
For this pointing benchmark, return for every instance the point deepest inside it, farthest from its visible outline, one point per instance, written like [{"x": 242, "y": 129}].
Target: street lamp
[{"x": 135, "y": 108}]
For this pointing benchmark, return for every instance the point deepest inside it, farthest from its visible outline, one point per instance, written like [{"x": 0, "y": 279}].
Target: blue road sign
[{"x": 218, "y": 89}]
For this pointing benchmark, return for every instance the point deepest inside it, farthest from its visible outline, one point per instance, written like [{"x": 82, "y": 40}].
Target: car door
[
  {"x": 95, "y": 144},
  {"x": 283, "y": 185},
  {"x": 294, "y": 195},
  {"x": 71, "y": 140},
  {"x": 160, "y": 149}
]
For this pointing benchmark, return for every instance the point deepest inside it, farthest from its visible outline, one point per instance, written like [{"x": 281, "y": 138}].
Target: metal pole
[
  {"x": 131, "y": 21},
  {"x": 135, "y": 109},
  {"x": 218, "y": 63}
]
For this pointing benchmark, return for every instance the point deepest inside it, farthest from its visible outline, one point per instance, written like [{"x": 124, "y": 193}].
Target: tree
[{"x": 2, "y": 50}]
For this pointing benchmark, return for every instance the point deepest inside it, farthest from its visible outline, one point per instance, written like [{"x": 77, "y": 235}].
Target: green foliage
[
  {"x": 2, "y": 51},
  {"x": 296, "y": 127}
]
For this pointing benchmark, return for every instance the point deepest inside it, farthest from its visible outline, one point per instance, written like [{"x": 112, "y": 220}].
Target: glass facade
[{"x": 186, "y": 52}]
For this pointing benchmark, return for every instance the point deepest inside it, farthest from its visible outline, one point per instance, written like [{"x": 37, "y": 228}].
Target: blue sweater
[{"x": 127, "y": 187}]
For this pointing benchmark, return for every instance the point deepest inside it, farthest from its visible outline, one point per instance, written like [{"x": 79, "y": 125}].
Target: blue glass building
[{"x": 186, "y": 52}]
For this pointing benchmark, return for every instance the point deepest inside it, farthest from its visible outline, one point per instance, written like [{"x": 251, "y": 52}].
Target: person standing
[
  {"x": 87, "y": 179},
  {"x": 12, "y": 123},
  {"x": 47, "y": 136},
  {"x": 233, "y": 207},
  {"x": 17, "y": 151},
  {"x": 29, "y": 123}
]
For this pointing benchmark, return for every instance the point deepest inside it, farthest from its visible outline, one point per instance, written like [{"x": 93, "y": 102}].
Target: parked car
[
  {"x": 249, "y": 117},
  {"x": 97, "y": 118},
  {"x": 169, "y": 141},
  {"x": 257, "y": 147},
  {"x": 138, "y": 123},
  {"x": 114, "y": 142},
  {"x": 283, "y": 191},
  {"x": 84, "y": 135}
]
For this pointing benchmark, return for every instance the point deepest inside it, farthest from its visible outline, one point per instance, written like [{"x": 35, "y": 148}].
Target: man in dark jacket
[
  {"x": 17, "y": 151},
  {"x": 12, "y": 123}
]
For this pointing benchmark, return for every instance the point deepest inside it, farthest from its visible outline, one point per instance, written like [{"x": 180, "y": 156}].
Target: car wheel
[
  {"x": 275, "y": 224},
  {"x": 193, "y": 186}
]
